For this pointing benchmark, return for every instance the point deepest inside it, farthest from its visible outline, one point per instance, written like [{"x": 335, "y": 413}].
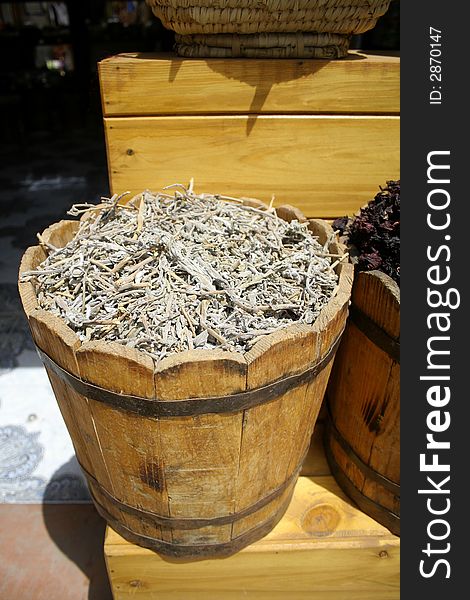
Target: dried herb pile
[
  {"x": 175, "y": 271},
  {"x": 374, "y": 233}
]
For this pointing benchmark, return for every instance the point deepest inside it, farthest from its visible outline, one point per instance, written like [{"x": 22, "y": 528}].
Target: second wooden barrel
[{"x": 363, "y": 434}]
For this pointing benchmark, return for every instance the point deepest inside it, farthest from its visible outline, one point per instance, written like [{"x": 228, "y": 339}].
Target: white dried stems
[{"x": 174, "y": 271}]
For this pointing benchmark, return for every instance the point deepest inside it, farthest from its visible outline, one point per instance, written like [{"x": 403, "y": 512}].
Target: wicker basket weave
[{"x": 267, "y": 28}]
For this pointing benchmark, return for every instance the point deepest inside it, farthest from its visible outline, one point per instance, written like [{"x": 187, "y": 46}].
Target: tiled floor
[
  {"x": 52, "y": 552},
  {"x": 48, "y": 551}
]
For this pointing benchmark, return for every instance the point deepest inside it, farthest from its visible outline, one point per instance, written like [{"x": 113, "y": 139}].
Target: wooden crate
[
  {"x": 323, "y": 548},
  {"x": 322, "y": 135}
]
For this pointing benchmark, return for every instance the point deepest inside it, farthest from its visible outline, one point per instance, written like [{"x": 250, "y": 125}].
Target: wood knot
[
  {"x": 135, "y": 583},
  {"x": 321, "y": 520},
  {"x": 129, "y": 152},
  {"x": 377, "y": 425},
  {"x": 383, "y": 554},
  {"x": 152, "y": 475},
  {"x": 371, "y": 418}
]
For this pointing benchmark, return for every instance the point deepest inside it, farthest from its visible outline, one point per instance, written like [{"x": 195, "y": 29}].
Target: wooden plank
[
  {"x": 376, "y": 294},
  {"x": 55, "y": 338},
  {"x": 57, "y": 234},
  {"x": 323, "y": 547},
  {"x": 356, "y": 403},
  {"x": 326, "y": 166},
  {"x": 146, "y": 84},
  {"x": 200, "y": 453},
  {"x": 385, "y": 452}
]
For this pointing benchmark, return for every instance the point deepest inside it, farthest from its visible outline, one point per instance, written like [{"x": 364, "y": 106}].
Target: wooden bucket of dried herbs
[
  {"x": 192, "y": 451},
  {"x": 363, "y": 435}
]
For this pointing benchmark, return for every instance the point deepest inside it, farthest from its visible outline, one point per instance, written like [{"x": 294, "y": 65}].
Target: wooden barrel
[
  {"x": 363, "y": 434},
  {"x": 197, "y": 455}
]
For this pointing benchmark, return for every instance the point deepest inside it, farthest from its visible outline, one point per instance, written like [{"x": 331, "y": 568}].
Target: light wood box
[
  {"x": 324, "y": 548},
  {"x": 321, "y": 135}
]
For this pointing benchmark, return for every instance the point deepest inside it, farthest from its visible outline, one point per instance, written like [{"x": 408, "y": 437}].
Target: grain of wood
[
  {"x": 325, "y": 165},
  {"x": 199, "y": 373},
  {"x": 245, "y": 524},
  {"x": 76, "y": 414},
  {"x": 132, "y": 521},
  {"x": 128, "y": 371},
  {"x": 379, "y": 296},
  {"x": 312, "y": 403},
  {"x": 60, "y": 343},
  {"x": 356, "y": 406},
  {"x": 133, "y": 84},
  {"x": 385, "y": 452},
  {"x": 268, "y": 428},
  {"x": 55, "y": 338},
  {"x": 58, "y": 234}
]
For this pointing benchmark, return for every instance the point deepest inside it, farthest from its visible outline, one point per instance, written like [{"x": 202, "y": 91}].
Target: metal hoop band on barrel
[
  {"x": 374, "y": 509},
  {"x": 197, "y": 550},
  {"x": 154, "y": 407},
  {"x": 188, "y": 523},
  {"x": 368, "y": 471},
  {"x": 376, "y": 334}
]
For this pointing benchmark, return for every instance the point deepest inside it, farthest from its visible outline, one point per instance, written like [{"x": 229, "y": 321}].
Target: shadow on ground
[{"x": 77, "y": 529}]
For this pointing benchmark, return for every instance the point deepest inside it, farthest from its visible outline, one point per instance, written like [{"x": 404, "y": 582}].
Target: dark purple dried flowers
[{"x": 374, "y": 234}]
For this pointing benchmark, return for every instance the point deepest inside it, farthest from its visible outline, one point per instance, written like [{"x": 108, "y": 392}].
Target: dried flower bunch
[
  {"x": 374, "y": 234},
  {"x": 169, "y": 272}
]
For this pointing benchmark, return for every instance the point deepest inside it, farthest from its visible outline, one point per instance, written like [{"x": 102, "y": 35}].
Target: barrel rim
[
  {"x": 72, "y": 344},
  {"x": 389, "y": 283}
]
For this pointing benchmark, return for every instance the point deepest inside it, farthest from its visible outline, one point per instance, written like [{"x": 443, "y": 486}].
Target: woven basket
[{"x": 267, "y": 28}]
